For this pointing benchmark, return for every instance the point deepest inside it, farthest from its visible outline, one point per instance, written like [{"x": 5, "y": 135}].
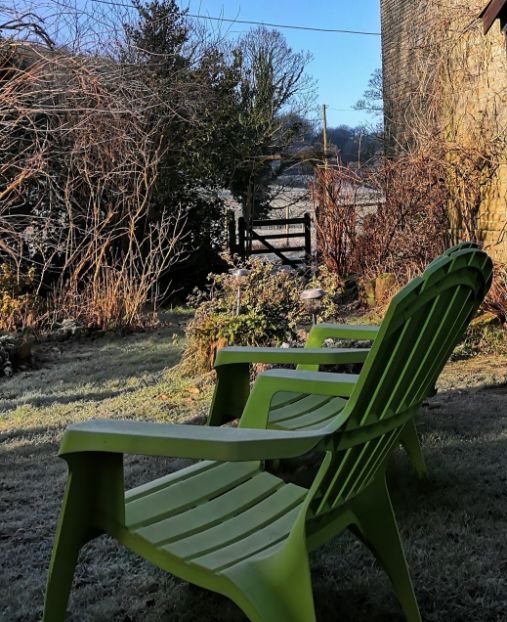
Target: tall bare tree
[{"x": 275, "y": 94}]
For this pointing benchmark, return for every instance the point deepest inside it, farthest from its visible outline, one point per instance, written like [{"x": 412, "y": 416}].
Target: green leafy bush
[{"x": 270, "y": 311}]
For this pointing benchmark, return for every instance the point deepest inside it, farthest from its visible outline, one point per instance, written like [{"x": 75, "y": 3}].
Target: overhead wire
[
  {"x": 126, "y": 5},
  {"x": 258, "y": 22}
]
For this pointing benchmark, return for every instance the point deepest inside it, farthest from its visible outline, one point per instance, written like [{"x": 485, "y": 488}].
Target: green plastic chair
[
  {"x": 228, "y": 525},
  {"x": 296, "y": 410}
]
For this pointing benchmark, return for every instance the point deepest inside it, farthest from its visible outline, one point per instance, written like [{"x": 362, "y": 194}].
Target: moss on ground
[{"x": 453, "y": 525}]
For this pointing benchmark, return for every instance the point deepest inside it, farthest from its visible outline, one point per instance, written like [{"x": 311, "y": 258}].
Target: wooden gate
[{"x": 266, "y": 237}]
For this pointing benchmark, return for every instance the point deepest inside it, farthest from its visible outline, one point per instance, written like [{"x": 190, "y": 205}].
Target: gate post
[
  {"x": 231, "y": 228},
  {"x": 308, "y": 238},
  {"x": 241, "y": 237}
]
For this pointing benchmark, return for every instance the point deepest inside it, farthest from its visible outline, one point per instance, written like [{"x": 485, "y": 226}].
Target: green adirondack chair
[
  {"x": 297, "y": 411},
  {"x": 228, "y": 525}
]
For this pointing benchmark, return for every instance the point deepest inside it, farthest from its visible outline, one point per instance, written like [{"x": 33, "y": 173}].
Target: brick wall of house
[{"x": 405, "y": 28}]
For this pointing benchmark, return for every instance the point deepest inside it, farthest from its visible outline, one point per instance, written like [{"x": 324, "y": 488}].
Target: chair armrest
[
  {"x": 320, "y": 332},
  {"x": 290, "y": 356},
  {"x": 269, "y": 383},
  {"x": 185, "y": 441},
  {"x": 232, "y": 366}
]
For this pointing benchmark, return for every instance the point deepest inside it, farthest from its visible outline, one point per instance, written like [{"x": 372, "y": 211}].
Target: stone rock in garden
[
  {"x": 15, "y": 352},
  {"x": 5, "y": 363},
  {"x": 67, "y": 329},
  {"x": 377, "y": 291}
]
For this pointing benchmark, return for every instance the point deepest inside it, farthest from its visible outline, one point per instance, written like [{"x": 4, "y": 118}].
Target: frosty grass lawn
[{"x": 453, "y": 525}]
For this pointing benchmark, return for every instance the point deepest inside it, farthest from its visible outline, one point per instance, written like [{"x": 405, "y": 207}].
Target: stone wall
[{"x": 423, "y": 37}]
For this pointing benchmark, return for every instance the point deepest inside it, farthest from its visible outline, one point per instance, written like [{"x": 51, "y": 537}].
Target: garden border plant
[{"x": 271, "y": 311}]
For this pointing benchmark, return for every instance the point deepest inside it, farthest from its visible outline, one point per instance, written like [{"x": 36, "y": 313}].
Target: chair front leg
[
  {"x": 93, "y": 495},
  {"x": 232, "y": 389}
]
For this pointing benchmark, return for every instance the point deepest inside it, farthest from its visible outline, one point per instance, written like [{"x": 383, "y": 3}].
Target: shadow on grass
[
  {"x": 451, "y": 525},
  {"x": 41, "y": 401},
  {"x": 89, "y": 372},
  {"x": 116, "y": 360}
]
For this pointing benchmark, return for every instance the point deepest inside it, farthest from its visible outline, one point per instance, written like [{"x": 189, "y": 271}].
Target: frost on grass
[{"x": 450, "y": 524}]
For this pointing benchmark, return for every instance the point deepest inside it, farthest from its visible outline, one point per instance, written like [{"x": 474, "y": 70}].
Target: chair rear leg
[
  {"x": 378, "y": 529},
  {"x": 410, "y": 441}
]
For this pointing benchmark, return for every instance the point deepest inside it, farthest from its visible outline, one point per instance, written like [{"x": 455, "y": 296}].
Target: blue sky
[{"x": 342, "y": 63}]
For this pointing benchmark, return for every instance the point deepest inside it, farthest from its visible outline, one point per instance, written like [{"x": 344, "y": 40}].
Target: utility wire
[
  {"x": 344, "y": 109},
  {"x": 257, "y": 23}
]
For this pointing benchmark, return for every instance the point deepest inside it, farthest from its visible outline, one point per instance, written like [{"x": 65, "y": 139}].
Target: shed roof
[{"x": 495, "y": 9}]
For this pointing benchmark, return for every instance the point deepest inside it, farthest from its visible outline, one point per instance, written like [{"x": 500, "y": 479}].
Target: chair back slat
[{"x": 423, "y": 324}]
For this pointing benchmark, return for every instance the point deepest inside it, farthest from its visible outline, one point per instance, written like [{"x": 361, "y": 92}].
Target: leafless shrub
[
  {"x": 335, "y": 220},
  {"x": 496, "y": 300},
  {"x": 401, "y": 234},
  {"x": 79, "y": 161},
  {"x": 410, "y": 228},
  {"x": 442, "y": 162}
]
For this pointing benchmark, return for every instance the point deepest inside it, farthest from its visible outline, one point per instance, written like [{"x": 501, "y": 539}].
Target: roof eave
[{"x": 495, "y": 9}]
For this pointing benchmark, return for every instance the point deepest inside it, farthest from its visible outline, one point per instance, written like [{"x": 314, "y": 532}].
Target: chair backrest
[{"x": 422, "y": 325}]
